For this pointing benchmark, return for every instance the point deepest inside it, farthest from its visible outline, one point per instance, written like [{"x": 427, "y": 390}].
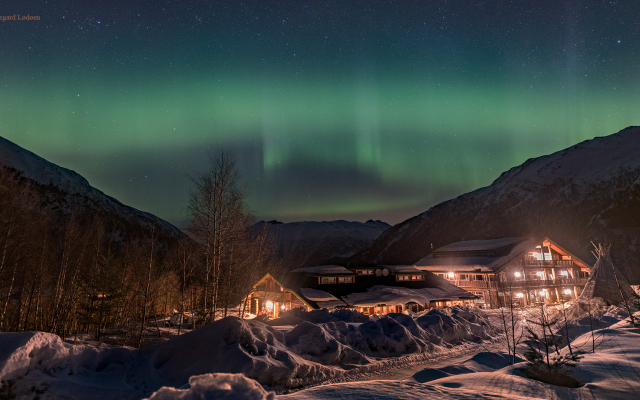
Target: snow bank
[
  {"x": 609, "y": 373},
  {"x": 297, "y": 315},
  {"x": 216, "y": 386},
  {"x": 233, "y": 345},
  {"x": 308, "y": 354},
  {"x": 20, "y": 352}
]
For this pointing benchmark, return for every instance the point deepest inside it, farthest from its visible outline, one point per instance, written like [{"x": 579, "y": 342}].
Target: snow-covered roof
[
  {"x": 317, "y": 295},
  {"x": 393, "y": 295},
  {"x": 480, "y": 245},
  {"x": 473, "y": 264},
  {"x": 402, "y": 269},
  {"x": 325, "y": 270}
]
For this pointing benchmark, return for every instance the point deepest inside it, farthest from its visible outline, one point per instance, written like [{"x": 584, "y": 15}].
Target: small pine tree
[{"x": 555, "y": 370}]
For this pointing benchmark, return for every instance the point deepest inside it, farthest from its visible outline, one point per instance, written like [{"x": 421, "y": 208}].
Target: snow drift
[{"x": 307, "y": 354}]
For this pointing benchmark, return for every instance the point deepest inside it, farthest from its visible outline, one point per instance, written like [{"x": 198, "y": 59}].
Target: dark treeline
[{"x": 67, "y": 271}]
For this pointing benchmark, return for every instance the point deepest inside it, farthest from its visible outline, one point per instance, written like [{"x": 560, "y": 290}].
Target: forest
[{"x": 71, "y": 269}]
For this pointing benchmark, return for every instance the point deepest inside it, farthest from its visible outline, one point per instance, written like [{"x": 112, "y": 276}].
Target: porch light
[
  {"x": 520, "y": 295},
  {"x": 450, "y": 274},
  {"x": 567, "y": 291},
  {"x": 283, "y": 307},
  {"x": 269, "y": 305},
  {"x": 517, "y": 274}
]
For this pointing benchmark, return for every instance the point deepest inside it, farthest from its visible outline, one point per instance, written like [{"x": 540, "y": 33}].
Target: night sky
[{"x": 336, "y": 109}]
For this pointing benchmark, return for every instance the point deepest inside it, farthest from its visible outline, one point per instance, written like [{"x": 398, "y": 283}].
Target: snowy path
[{"x": 613, "y": 372}]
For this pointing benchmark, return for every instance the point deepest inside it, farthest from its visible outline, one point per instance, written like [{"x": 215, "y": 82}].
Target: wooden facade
[{"x": 523, "y": 273}]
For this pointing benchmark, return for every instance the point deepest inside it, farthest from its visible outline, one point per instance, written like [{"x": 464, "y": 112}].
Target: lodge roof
[
  {"x": 468, "y": 257},
  {"x": 323, "y": 270},
  {"x": 480, "y": 245},
  {"x": 474, "y": 263},
  {"x": 371, "y": 290}
]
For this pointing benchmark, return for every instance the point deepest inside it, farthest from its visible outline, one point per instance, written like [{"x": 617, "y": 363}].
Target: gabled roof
[
  {"x": 479, "y": 245},
  {"x": 560, "y": 249},
  {"x": 472, "y": 264},
  {"x": 485, "y": 264},
  {"x": 403, "y": 269},
  {"x": 285, "y": 287},
  {"x": 360, "y": 294},
  {"x": 325, "y": 270}
]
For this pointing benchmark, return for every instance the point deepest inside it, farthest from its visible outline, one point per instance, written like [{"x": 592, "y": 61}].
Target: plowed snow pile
[{"x": 41, "y": 364}]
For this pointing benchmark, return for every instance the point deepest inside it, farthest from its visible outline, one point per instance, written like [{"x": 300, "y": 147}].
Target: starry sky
[{"x": 335, "y": 109}]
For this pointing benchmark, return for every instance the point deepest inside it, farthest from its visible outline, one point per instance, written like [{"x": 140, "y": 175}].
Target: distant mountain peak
[
  {"x": 78, "y": 193},
  {"x": 586, "y": 192}
]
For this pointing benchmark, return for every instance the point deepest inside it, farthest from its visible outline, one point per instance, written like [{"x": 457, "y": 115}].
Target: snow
[
  {"x": 391, "y": 295},
  {"x": 473, "y": 263},
  {"x": 236, "y": 359},
  {"x": 612, "y": 372},
  {"x": 476, "y": 245},
  {"x": 216, "y": 386},
  {"x": 310, "y": 353}
]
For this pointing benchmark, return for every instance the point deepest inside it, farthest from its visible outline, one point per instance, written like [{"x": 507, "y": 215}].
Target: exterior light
[
  {"x": 269, "y": 305},
  {"x": 517, "y": 274},
  {"x": 520, "y": 295},
  {"x": 567, "y": 291},
  {"x": 450, "y": 274}
]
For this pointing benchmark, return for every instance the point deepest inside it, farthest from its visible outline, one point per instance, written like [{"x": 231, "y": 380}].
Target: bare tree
[{"x": 219, "y": 219}]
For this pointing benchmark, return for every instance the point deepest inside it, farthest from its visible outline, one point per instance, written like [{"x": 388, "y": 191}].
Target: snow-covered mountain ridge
[
  {"x": 310, "y": 243},
  {"x": 48, "y": 178},
  {"x": 587, "y": 192}
]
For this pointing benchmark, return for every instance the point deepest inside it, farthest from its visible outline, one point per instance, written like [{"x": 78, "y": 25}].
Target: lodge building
[
  {"x": 510, "y": 271},
  {"x": 371, "y": 290}
]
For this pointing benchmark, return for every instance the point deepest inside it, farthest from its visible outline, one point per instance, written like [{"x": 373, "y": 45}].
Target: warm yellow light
[
  {"x": 450, "y": 274},
  {"x": 519, "y": 295},
  {"x": 567, "y": 291},
  {"x": 517, "y": 274},
  {"x": 283, "y": 307},
  {"x": 269, "y": 304}
]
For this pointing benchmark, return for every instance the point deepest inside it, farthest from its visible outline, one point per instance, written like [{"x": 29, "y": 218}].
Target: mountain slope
[
  {"x": 63, "y": 191},
  {"x": 587, "y": 192},
  {"x": 311, "y": 243}
]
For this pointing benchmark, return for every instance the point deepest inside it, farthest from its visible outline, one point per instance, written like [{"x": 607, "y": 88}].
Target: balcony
[
  {"x": 544, "y": 263},
  {"x": 520, "y": 284}
]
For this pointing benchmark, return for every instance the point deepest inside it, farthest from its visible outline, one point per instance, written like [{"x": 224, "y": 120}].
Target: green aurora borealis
[{"x": 382, "y": 131}]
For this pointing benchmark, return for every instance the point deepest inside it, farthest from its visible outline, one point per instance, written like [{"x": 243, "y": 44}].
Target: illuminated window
[{"x": 341, "y": 280}]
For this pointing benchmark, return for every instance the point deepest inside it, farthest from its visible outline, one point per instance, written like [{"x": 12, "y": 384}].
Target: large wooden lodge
[
  {"x": 488, "y": 273},
  {"x": 505, "y": 271}
]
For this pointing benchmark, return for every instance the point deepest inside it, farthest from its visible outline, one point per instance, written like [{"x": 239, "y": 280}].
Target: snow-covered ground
[{"x": 450, "y": 353}]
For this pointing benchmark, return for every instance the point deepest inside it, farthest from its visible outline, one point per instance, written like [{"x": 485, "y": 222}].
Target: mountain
[
  {"x": 587, "y": 192},
  {"x": 62, "y": 191},
  {"x": 311, "y": 243}
]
